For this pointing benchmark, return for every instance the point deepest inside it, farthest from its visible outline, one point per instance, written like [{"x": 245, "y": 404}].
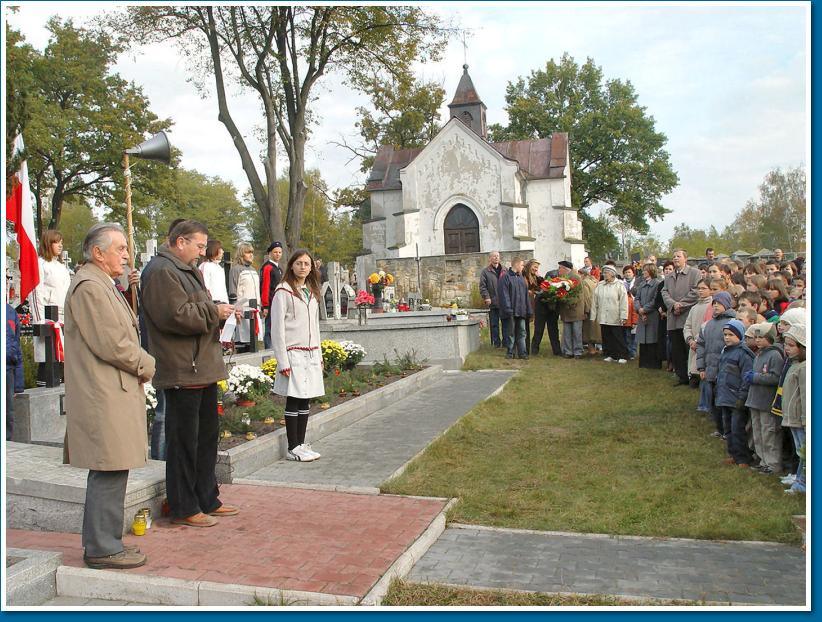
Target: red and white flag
[{"x": 20, "y": 211}]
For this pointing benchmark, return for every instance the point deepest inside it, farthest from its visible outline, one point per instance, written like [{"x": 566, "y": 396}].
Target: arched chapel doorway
[{"x": 461, "y": 231}]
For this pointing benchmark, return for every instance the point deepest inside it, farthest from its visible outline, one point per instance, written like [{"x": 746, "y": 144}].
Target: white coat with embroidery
[{"x": 295, "y": 339}]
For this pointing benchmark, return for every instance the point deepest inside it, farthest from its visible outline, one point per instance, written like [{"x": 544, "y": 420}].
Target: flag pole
[{"x": 127, "y": 175}]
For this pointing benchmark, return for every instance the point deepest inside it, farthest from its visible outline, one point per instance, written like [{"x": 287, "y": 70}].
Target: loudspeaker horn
[{"x": 155, "y": 148}]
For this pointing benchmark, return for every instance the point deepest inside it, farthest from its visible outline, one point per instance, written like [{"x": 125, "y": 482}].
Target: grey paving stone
[
  {"x": 368, "y": 452},
  {"x": 667, "y": 569}
]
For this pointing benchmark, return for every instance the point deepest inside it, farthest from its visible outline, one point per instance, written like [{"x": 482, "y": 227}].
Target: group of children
[{"x": 753, "y": 384}]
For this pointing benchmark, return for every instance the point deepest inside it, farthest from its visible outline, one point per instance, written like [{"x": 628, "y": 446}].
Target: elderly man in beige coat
[{"x": 105, "y": 400}]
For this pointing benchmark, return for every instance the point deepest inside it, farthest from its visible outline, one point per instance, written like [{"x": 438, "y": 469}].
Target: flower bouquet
[
  {"x": 378, "y": 282},
  {"x": 363, "y": 299},
  {"x": 559, "y": 289},
  {"x": 354, "y": 354},
  {"x": 248, "y": 383}
]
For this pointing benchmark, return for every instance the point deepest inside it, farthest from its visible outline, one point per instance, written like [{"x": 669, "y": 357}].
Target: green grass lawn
[
  {"x": 595, "y": 447},
  {"x": 404, "y": 593}
]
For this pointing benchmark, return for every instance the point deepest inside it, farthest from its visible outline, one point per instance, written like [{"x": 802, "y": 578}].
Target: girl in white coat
[
  {"x": 55, "y": 277},
  {"x": 295, "y": 339}
]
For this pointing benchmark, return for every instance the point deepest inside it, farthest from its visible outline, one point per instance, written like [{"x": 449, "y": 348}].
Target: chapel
[{"x": 459, "y": 197}]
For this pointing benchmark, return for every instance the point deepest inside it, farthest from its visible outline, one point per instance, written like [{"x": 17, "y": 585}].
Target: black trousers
[
  {"x": 679, "y": 354},
  {"x": 545, "y": 317},
  {"x": 613, "y": 342},
  {"x": 192, "y": 434}
]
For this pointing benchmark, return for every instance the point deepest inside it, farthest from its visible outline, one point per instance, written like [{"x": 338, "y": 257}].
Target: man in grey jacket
[
  {"x": 679, "y": 294},
  {"x": 488, "y": 290}
]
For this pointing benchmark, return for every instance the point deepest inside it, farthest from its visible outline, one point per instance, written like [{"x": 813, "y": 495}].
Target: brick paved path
[
  {"x": 368, "y": 452},
  {"x": 291, "y": 539},
  {"x": 738, "y": 572}
]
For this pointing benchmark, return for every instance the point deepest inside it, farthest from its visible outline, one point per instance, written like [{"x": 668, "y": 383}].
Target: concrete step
[
  {"x": 44, "y": 494},
  {"x": 31, "y": 576}
]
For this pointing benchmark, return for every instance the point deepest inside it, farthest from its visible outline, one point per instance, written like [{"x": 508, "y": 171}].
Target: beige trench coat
[{"x": 105, "y": 366}]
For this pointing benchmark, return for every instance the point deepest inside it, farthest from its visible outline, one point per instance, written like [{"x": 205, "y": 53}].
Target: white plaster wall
[
  {"x": 548, "y": 223},
  {"x": 458, "y": 167}
]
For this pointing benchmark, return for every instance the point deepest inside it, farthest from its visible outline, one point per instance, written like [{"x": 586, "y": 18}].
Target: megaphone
[{"x": 155, "y": 148}]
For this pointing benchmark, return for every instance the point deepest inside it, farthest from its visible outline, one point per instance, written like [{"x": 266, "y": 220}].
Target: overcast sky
[{"x": 726, "y": 84}]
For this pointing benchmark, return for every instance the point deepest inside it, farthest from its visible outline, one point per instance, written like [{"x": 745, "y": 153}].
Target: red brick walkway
[{"x": 285, "y": 538}]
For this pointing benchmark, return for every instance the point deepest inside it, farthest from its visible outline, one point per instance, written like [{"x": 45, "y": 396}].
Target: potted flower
[
  {"x": 333, "y": 355},
  {"x": 354, "y": 354},
  {"x": 249, "y": 384}
]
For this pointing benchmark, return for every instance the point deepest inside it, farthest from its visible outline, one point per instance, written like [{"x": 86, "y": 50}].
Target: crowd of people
[
  {"x": 733, "y": 331},
  {"x": 173, "y": 341}
]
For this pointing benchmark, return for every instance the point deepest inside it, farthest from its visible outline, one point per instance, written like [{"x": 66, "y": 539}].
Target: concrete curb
[
  {"x": 153, "y": 590},
  {"x": 31, "y": 580},
  {"x": 356, "y": 490},
  {"x": 247, "y": 458},
  {"x": 606, "y": 536},
  {"x": 403, "y": 564}
]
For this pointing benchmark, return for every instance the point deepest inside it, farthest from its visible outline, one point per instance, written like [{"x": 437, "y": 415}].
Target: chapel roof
[
  {"x": 543, "y": 158},
  {"x": 466, "y": 93}
]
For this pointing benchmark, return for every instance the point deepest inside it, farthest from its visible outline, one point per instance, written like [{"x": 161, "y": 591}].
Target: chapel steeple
[{"x": 467, "y": 105}]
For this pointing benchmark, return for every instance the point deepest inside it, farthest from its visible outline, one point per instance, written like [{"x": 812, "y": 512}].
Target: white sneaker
[
  {"x": 789, "y": 479},
  {"x": 608, "y": 359},
  {"x": 300, "y": 455},
  {"x": 622, "y": 361},
  {"x": 307, "y": 449}
]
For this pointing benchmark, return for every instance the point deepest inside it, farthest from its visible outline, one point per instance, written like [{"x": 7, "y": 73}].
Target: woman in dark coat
[{"x": 647, "y": 329}]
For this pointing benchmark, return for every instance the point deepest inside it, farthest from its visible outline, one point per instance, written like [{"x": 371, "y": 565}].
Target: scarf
[{"x": 776, "y": 407}]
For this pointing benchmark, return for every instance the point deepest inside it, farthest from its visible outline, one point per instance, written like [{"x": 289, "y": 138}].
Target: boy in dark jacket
[
  {"x": 514, "y": 309},
  {"x": 14, "y": 366},
  {"x": 709, "y": 346},
  {"x": 732, "y": 391},
  {"x": 763, "y": 378}
]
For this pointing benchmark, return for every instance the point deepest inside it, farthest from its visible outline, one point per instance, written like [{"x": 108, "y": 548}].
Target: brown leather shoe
[
  {"x": 728, "y": 461},
  {"x": 131, "y": 548},
  {"x": 225, "y": 510},
  {"x": 119, "y": 561},
  {"x": 196, "y": 520}
]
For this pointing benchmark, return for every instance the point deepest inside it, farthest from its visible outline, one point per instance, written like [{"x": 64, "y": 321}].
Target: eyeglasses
[{"x": 201, "y": 247}]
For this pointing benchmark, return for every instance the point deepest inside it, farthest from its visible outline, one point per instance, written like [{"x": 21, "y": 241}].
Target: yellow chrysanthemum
[
  {"x": 389, "y": 279},
  {"x": 269, "y": 367},
  {"x": 374, "y": 278}
]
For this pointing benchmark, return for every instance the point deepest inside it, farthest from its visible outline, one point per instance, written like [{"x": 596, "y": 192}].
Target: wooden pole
[{"x": 127, "y": 175}]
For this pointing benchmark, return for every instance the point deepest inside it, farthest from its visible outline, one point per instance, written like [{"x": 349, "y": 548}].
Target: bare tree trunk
[
  {"x": 297, "y": 188},
  {"x": 56, "y": 207}
]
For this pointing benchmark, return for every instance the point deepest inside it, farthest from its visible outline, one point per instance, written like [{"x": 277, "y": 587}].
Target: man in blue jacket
[
  {"x": 514, "y": 309},
  {"x": 14, "y": 366}
]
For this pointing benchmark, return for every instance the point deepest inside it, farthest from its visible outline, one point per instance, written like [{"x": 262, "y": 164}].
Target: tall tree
[
  {"x": 77, "y": 219},
  {"x": 19, "y": 84},
  {"x": 405, "y": 114},
  {"x": 777, "y": 218},
  {"x": 82, "y": 118},
  {"x": 617, "y": 155},
  {"x": 281, "y": 53},
  {"x": 191, "y": 194},
  {"x": 695, "y": 241}
]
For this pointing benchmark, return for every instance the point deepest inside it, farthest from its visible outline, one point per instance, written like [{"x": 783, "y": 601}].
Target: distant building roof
[
  {"x": 763, "y": 252},
  {"x": 543, "y": 158},
  {"x": 740, "y": 253}
]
